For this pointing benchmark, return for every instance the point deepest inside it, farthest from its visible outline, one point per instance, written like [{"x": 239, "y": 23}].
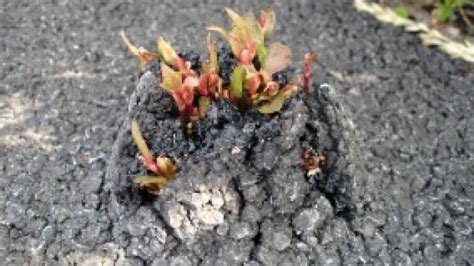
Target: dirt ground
[{"x": 65, "y": 79}]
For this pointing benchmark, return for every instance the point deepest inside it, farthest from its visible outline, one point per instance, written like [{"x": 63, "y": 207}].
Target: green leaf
[
  {"x": 445, "y": 13},
  {"x": 261, "y": 53},
  {"x": 402, "y": 11},
  {"x": 274, "y": 105},
  {"x": 458, "y": 3},
  {"x": 237, "y": 81}
]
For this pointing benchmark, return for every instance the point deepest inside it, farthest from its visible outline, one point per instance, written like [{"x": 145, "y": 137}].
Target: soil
[{"x": 65, "y": 84}]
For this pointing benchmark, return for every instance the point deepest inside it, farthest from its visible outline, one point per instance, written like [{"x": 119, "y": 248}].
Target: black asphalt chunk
[
  {"x": 239, "y": 160},
  {"x": 407, "y": 146}
]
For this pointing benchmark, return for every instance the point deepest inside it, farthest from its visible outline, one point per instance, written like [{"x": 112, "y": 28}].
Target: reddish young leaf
[
  {"x": 178, "y": 99},
  {"x": 245, "y": 36},
  {"x": 143, "y": 55},
  {"x": 207, "y": 84},
  {"x": 267, "y": 21},
  {"x": 248, "y": 53},
  {"x": 278, "y": 57},
  {"x": 289, "y": 89},
  {"x": 203, "y": 87},
  {"x": 187, "y": 92},
  {"x": 311, "y": 162},
  {"x": 272, "y": 88},
  {"x": 252, "y": 83},
  {"x": 309, "y": 59},
  {"x": 183, "y": 66}
]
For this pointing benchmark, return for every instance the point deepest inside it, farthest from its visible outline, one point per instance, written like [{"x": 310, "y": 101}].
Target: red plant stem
[
  {"x": 309, "y": 59},
  {"x": 150, "y": 165}
]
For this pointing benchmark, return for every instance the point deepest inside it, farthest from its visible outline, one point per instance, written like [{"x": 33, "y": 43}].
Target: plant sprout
[
  {"x": 311, "y": 162},
  {"x": 163, "y": 168},
  {"x": 252, "y": 83}
]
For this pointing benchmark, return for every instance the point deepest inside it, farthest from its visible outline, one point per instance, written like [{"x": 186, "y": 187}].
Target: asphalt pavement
[{"x": 65, "y": 79}]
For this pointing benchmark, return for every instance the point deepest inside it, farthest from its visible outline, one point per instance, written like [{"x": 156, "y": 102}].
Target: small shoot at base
[
  {"x": 163, "y": 168},
  {"x": 311, "y": 162}
]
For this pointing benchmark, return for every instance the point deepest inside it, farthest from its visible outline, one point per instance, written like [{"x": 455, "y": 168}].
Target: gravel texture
[{"x": 65, "y": 80}]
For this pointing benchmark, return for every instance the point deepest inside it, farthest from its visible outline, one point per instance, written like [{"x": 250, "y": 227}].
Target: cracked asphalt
[{"x": 65, "y": 79}]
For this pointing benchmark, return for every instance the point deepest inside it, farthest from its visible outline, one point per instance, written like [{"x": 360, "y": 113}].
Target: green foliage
[
  {"x": 274, "y": 105},
  {"x": 446, "y": 8},
  {"x": 402, "y": 11},
  {"x": 238, "y": 77},
  {"x": 251, "y": 84},
  {"x": 442, "y": 10},
  {"x": 261, "y": 53}
]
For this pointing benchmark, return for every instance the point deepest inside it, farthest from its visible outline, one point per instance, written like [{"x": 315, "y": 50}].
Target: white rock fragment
[
  {"x": 211, "y": 217},
  {"x": 235, "y": 150},
  {"x": 217, "y": 201}
]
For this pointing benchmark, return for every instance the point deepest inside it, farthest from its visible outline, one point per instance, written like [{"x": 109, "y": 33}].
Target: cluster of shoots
[
  {"x": 311, "y": 162},
  {"x": 193, "y": 90},
  {"x": 251, "y": 83}
]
